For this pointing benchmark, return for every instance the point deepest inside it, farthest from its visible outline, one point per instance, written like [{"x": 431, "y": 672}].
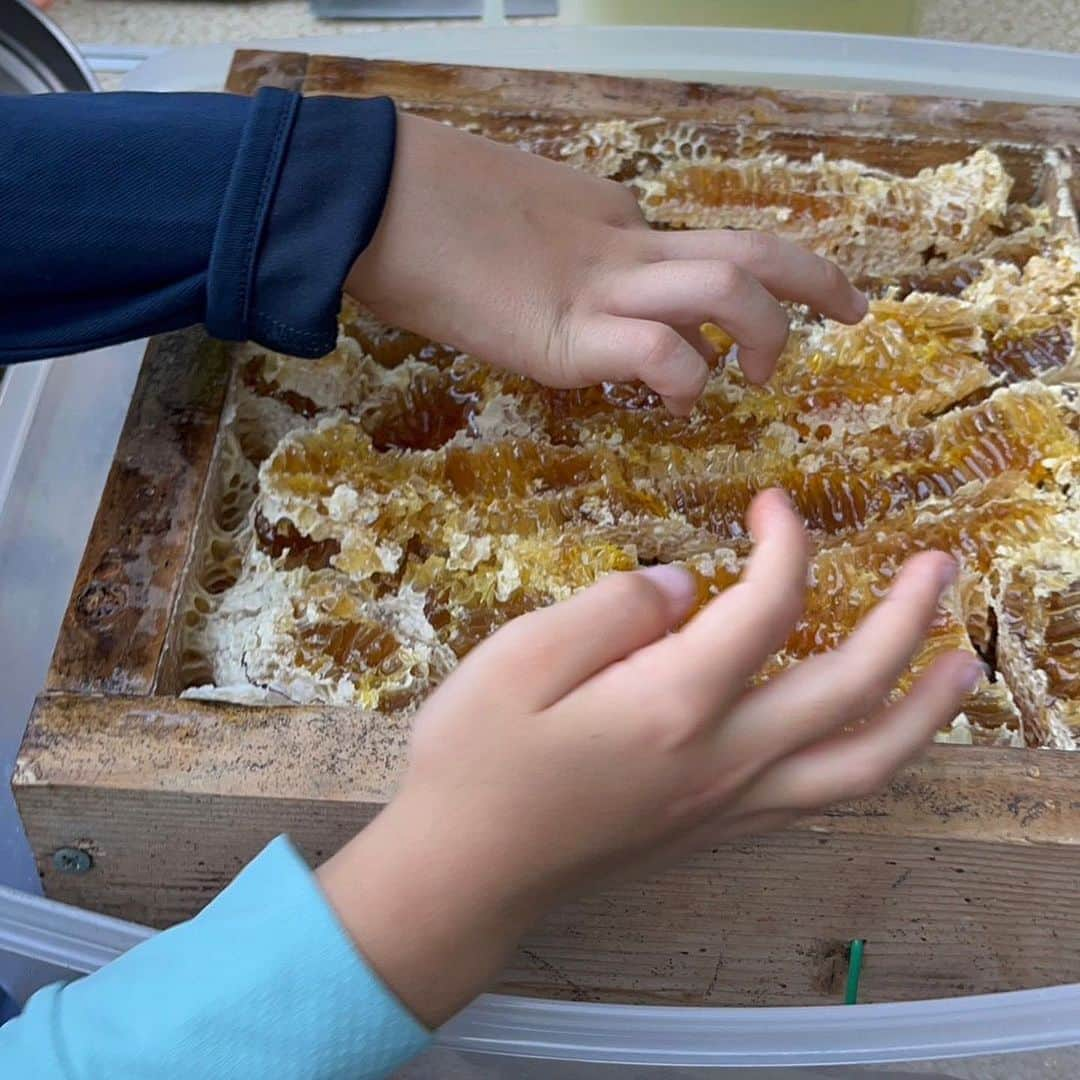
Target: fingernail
[
  {"x": 971, "y": 674},
  {"x": 675, "y": 583}
]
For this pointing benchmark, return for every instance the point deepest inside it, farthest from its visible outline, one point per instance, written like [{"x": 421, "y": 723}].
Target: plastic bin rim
[
  {"x": 850, "y": 62},
  {"x": 654, "y": 1035},
  {"x": 660, "y": 1035}
]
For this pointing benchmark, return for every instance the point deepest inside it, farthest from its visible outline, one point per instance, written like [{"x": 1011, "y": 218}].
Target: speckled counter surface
[
  {"x": 1043, "y": 24},
  {"x": 202, "y": 22}
]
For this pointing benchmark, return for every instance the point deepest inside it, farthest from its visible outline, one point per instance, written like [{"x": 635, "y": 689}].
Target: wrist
[
  {"x": 366, "y": 281},
  {"x": 430, "y": 912}
]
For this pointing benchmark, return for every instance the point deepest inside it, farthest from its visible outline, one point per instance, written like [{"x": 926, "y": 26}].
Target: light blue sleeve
[{"x": 264, "y": 982}]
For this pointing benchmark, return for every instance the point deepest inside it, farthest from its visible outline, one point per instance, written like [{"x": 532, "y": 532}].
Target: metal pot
[{"x": 35, "y": 55}]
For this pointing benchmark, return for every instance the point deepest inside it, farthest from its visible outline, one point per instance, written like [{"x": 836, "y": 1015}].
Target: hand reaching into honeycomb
[
  {"x": 539, "y": 769},
  {"x": 552, "y": 273}
]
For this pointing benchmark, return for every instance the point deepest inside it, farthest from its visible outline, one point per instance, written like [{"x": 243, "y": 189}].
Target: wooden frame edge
[{"x": 164, "y": 744}]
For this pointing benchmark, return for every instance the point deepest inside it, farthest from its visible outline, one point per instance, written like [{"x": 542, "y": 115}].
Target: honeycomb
[{"x": 379, "y": 512}]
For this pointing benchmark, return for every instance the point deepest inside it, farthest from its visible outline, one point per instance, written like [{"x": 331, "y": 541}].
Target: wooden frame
[{"x": 961, "y": 876}]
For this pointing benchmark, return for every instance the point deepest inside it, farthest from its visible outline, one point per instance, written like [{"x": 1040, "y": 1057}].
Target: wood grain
[
  {"x": 117, "y": 619},
  {"x": 901, "y": 134},
  {"x": 764, "y": 923},
  {"x": 164, "y": 744},
  {"x": 553, "y": 94},
  {"x": 865, "y": 127},
  {"x": 768, "y": 923}
]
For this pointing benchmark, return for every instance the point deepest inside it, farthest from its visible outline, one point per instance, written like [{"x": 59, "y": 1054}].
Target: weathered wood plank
[
  {"x": 116, "y": 621},
  {"x": 764, "y": 922},
  {"x": 164, "y": 744},
  {"x": 901, "y": 134},
  {"x": 768, "y": 923},
  {"x": 551, "y": 94}
]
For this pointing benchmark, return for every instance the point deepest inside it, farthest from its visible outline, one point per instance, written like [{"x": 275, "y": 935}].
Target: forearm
[{"x": 132, "y": 214}]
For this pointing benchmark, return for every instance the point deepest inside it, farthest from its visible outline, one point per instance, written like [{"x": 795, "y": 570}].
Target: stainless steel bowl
[{"x": 35, "y": 56}]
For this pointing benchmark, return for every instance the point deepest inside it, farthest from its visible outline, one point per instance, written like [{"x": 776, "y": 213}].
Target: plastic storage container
[
  {"x": 778, "y": 58},
  {"x": 576, "y": 1040},
  {"x": 65, "y": 939},
  {"x": 59, "y": 424},
  {"x": 65, "y": 418}
]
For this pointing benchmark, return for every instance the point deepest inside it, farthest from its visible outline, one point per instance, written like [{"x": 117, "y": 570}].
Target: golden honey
[{"x": 404, "y": 501}]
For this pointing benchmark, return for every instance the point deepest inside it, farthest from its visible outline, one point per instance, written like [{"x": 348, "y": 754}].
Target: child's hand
[
  {"x": 545, "y": 270},
  {"x": 584, "y": 741}
]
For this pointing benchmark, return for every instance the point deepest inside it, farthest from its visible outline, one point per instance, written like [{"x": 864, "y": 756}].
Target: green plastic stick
[{"x": 851, "y": 992}]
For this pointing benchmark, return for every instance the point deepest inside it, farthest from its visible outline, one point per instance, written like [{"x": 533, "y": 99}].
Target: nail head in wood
[{"x": 70, "y": 860}]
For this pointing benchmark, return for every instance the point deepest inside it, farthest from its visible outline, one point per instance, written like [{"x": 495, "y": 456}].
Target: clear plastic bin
[
  {"x": 780, "y": 59},
  {"x": 573, "y": 1039},
  {"x": 80, "y": 405}
]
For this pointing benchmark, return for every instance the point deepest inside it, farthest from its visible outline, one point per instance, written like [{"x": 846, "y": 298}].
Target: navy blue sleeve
[{"x": 124, "y": 215}]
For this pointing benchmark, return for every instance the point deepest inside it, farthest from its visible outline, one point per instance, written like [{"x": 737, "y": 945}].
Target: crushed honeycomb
[{"x": 381, "y": 511}]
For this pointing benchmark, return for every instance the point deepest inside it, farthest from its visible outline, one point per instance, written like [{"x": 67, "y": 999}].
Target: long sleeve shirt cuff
[
  {"x": 127, "y": 215},
  {"x": 263, "y": 982}
]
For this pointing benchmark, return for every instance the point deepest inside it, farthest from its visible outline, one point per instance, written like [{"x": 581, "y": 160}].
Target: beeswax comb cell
[{"x": 403, "y": 501}]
